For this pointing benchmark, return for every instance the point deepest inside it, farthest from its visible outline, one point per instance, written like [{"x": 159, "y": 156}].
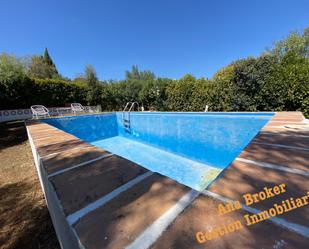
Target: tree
[
  {"x": 249, "y": 78},
  {"x": 80, "y": 78},
  {"x": 15, "y": 86},
  {"x": 179, "y": 93},
  {"x": 223, "y": 89},
  {"x": 287, "y": 86},
  {"x": 48, "y": 60},
  {"x": 202, "y": 95},
  {"x": 42, "y": 67},
  {"x": 91, "y": 76},
  {"x": 153, "y": 94},
  {"x": 295, "y": 42},
  {"x": 95, "y": 88},
  {"x": 135, "y": 74}
]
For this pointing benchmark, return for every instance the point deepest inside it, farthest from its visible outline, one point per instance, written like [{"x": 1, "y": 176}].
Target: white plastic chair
[
  {"x": 39, "y": 111},
  {"x": 77, "y": 107}
]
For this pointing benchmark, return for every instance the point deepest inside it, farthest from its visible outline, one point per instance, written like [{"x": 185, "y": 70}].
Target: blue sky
[{"x": 169, "y": 37}]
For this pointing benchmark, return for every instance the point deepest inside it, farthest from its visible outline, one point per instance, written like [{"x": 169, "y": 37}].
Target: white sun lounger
[
  {"x": 39, "y": 111},
  {"x": 77, "y": 107}
]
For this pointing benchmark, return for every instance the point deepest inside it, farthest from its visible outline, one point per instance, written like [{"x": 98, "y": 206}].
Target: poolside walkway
[{"x": 100, "y": 200}]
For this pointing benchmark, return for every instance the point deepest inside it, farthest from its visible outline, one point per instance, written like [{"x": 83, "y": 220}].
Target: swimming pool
[{"x": 191, "y": 148}]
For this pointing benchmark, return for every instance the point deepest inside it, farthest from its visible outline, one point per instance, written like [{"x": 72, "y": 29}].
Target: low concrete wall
[
  {"x": 66, "y": 235},
  {"x": 22, "y": 114}
]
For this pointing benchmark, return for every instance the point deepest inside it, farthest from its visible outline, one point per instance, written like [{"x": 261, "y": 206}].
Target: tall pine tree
[
  {"x": 49, "y": 62},
  {"x": 43, "y": 67}
]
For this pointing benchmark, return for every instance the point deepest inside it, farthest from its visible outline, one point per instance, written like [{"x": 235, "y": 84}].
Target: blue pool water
[{"x": 191, "y": 148}]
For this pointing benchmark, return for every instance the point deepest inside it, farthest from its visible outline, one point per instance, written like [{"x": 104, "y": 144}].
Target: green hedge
[
  {"x": 59, "y": 92},
  {"x": 24, "y": 92}
]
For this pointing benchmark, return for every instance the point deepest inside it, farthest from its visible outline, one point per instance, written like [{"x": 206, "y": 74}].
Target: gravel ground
[{"x": 24, "y": 218}]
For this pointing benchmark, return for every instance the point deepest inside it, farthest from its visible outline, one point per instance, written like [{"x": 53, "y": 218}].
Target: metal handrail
[
  {"x": 133, "y": 106},
  {"x": 129, "y": 110},
  {"x": 124, "y": 109}
]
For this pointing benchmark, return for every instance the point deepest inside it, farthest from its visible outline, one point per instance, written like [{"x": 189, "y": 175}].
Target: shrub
[{"x": 53, "y": 92}]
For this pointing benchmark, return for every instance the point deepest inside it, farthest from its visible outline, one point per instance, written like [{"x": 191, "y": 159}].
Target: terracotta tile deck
[
  {"x": 282, "y": 156},
  {"x": 82, "y": 186},
  {"x": 202, "y": 215},
  {"x": 119, "y": 222},
  {"x": 251, "y": 179},
  {"x": 69, "y": 158},
  {"x": 81, "y": 174}
]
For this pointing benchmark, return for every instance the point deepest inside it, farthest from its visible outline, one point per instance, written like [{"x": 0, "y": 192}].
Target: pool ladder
[{"x": 126, "y": 114}]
